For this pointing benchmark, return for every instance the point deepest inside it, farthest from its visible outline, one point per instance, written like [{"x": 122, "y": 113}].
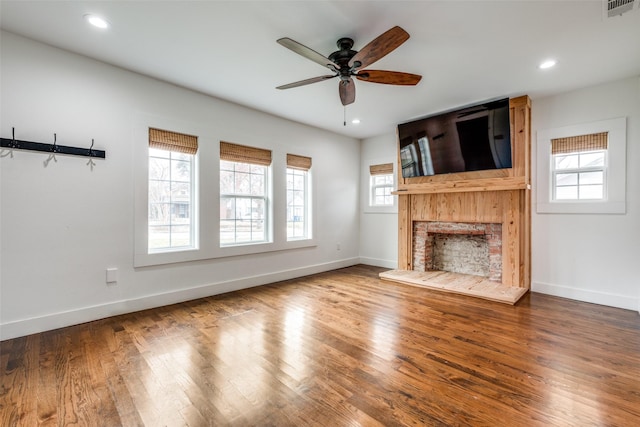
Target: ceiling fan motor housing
[{"x": 344, "y": 55}]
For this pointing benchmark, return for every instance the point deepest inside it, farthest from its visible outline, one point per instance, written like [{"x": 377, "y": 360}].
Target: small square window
[
  {"x": 579, "y": 176},
  {"x": 381, "y": 185},
  {"x": 582, "y": 168}
]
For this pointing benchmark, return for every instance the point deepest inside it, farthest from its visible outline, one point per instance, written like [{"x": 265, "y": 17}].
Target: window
[
  {"x": 298, "y": 212},
  {"x": 236, "y": 217},
  {"x": 579, "y": 166},
  {"x": 244, "y": 194},
  {"x": 381, "y": 185},
  {"x": 170, "y": 209}
]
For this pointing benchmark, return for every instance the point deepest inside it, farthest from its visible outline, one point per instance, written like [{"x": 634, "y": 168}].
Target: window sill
[
  {"x": 583, "y": 207},
  {"x": 147, "y": 260},
  {"x": 393, "y": 209},
  {"x": 381, "y": 209}
]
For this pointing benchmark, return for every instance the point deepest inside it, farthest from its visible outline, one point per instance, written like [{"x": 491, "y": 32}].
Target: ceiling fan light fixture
[
  {"x": 97, "y": 21},
  {"x": 355, "y": 121}
]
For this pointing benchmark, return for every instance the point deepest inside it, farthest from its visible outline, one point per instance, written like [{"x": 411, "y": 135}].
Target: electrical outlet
[{"x": 112, "y": 275}]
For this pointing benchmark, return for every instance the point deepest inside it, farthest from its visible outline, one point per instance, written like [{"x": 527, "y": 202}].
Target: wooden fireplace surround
[{"x": 496, "y": 196}]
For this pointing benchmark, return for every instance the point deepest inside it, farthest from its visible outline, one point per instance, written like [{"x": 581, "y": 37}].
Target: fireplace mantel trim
[{"x": 486, "y": 184}]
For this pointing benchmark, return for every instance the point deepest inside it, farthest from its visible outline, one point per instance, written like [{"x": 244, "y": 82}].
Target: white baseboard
[
  {"x": 386, "y": 263},
  {"x": 48, "y": 322},
  {"x": 602, "y": 298}
]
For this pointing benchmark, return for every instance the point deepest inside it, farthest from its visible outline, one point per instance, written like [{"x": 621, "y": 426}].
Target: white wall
[
  {"x": 61, "y": 226},
  {"x": 379, "y": 226},
  {"x": 592, "y": 258},
  {"x": 64, "y": 224}
]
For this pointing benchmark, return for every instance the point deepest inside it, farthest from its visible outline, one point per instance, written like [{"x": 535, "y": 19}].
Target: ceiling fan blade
[
  {"x": 306, "y": 82},
  {"x": 347, "y": 91},
  {"x": 379, "y": 47},
  {"x": 308, "y": 53},
  {"x": 388, "y": 77}
]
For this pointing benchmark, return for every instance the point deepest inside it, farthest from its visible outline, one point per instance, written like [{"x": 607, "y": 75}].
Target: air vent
[{"x": 617, "y": 7}]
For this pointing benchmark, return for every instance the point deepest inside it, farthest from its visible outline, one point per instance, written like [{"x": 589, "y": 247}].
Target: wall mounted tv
[{"x": 469, "y": 139}]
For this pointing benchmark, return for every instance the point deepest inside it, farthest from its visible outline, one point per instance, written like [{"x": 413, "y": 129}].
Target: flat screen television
[{"x": 472, "y": 138}]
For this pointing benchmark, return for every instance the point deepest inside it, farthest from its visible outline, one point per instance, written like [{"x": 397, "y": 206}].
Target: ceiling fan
[{"x": 346, "y": 63}]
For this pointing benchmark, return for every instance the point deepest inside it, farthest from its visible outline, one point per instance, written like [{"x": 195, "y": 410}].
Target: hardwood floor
[{"x": 341, "y": 348}]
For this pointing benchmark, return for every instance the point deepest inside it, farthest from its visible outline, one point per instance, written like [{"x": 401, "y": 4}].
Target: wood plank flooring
[{"x": 341, "y": 348}]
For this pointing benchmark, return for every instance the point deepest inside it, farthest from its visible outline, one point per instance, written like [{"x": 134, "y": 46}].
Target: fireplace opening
[
  {"x": 460, "y": 253},
  {"x": 467, "y": 248}
]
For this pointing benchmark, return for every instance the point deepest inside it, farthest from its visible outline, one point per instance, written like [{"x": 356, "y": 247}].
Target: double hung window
[
  {"x": 298, "y": 200},
  {"x": 244, "y": 194},
  {"x": 171, "y": 224},
  {"x": 582, "y": 168},
  {"x": 579, "y": 167},
  {"x": 381, "y": 185}
]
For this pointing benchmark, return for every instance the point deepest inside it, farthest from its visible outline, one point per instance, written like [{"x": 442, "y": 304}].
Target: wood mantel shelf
[
  {"x": 486, "y": 184},
  {"x": 464, "y": 284}
]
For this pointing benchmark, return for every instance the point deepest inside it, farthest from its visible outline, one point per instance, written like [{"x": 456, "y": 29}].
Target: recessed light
[
  {"x": 97, "y": 21},
  {"x": 355, "y": 121},
  {"x": 547, "y": 64}
]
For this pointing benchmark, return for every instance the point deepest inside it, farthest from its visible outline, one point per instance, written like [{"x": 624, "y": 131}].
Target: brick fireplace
[{"x": 458, "y": 247}]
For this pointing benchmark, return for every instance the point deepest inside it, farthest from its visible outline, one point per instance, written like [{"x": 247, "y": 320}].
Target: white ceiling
[{"x": 466, "y": 51}]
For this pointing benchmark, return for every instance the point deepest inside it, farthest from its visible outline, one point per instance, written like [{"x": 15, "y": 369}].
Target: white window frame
[
  {"x": 373, "y": 187},
  {"x": 365, "y": 186},
  {"x": 266, "y": 220},
  {"x": 307, "y": 203},
  {"x": 615, "y": 180},
  {"x": 193, "y": 220},
  {"x": 206, "y": 197},
  {"x": 577, "y": 171}
]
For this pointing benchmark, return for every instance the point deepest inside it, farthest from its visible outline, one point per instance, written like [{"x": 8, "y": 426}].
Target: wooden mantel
[
  {"x": 497, "y": 196},
  {"x": 461, "y": 186}
]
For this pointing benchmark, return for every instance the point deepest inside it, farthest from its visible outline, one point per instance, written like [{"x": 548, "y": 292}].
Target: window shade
[
  {"x": 298, "y": 162},
  {"x": 241, "y": 153},
  {"x": 384, "y": 169},
  {"x": 578, "y": 144},
  {"x": 173, "y": 141}
]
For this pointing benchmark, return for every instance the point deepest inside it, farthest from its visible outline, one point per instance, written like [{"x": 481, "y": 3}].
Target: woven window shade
[
  {"x": 173, "y": 141},
  {"x": 581, "y": 143},
  {"x": 298, "y": 162},
  {"x": 241, "y": 153},
  {"x": 384, "y": 169}
]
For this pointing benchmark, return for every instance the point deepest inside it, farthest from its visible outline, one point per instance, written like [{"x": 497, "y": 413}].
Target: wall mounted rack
[{"x": 16, "y": 144}]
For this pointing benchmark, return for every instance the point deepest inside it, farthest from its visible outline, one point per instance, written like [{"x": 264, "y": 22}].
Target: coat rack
[{"x": 54, "y": 148}]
